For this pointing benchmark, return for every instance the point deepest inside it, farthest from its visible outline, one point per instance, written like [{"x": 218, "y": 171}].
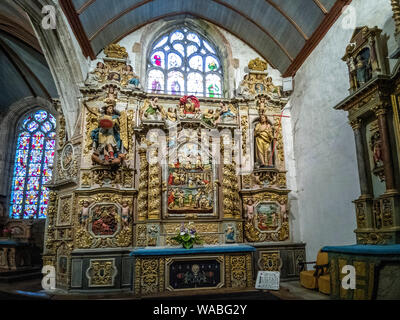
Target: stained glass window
[
  {"x": 33, "y": 166},
  {"x": 182, "y": 62}
]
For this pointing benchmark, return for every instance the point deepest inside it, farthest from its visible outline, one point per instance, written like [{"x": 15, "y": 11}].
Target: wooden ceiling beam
[
  {"x": 278, "y": 8},
  {"x": 316, "y": 37},
  {"x": 321, "y": 6},
  {"x": 119, "y": 15},
  {"x": 76, "y": 25},
  {"x": 85, "y": 6},
  {"x": 258, "y": 25}
]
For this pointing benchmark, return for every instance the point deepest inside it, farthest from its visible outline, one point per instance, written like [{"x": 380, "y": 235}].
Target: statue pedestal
[{"x": 163, "y": 269}]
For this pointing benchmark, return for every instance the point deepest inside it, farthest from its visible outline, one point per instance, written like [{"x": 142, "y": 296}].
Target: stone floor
[{"x": 31, "y": 289}]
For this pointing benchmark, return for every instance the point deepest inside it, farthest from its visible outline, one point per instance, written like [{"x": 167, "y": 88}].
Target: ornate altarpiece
[
  {"x": 374, "y": 119},
  {"x": 373, "y": 111},
  {"x": 109, "y": 196}
]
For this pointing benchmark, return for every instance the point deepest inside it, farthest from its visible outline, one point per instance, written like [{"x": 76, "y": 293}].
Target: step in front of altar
[{"x": 166, "y": 269}]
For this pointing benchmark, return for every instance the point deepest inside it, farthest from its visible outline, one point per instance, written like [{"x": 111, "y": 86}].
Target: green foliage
[{"x": 187, "y": 237}]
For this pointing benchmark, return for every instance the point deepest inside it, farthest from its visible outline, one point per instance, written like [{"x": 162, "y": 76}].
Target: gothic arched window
[
  {"x": 184, "y": 63},
  {"x": 33, "y": 166}
]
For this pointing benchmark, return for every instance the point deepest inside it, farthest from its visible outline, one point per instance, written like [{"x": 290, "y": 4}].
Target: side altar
[
  {"x": 373, "y": 113},
  {"x": 141, "y": 164}
]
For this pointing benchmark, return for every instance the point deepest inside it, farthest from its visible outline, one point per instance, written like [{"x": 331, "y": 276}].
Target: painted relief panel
[
  {"x": 266, "y": 220},
  {"x": 105, "y": 219},
  {"x": 267, "y": 216}
]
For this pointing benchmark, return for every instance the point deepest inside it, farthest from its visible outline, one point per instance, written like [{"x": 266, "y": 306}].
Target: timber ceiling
[{"x": 284, "y": 32}]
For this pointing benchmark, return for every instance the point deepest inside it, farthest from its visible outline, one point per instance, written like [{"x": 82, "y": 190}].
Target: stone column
[
  {"x": 362, "y": 172},
  {"x": 380, "y": 112}
]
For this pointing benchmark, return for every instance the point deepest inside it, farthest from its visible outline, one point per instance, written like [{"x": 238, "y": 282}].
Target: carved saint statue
[
  {"x": 376, "y": 148},
  {"x": 210, "y": 117},
  {"x": 264, "y": 137},
  {"x": 271, "y": 87},
  {"x": 151, "y": 109},
  {"x": 128, "y": 77},
  {"x": 109, "y": 149},
  {"x": 98, "y": 74},
  {"x": 363, "y": 70},
  {"x": 226, "y": 111}
]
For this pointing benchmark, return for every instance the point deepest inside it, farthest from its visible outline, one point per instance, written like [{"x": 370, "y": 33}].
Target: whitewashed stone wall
[{"x": 324, "y": 147}]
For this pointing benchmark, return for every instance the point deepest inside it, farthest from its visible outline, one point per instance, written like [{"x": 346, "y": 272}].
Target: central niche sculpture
[{"x": 190, "y": 182}]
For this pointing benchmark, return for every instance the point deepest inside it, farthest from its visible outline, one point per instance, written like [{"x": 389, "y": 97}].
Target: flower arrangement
[{"x": 187, "y": 236}]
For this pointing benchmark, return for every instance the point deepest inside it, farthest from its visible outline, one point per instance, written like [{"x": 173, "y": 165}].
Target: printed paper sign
[{"x": 268, "y": 280}]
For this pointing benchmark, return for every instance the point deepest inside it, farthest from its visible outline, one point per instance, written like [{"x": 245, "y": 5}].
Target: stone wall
[{"x": 324, "y": 147}]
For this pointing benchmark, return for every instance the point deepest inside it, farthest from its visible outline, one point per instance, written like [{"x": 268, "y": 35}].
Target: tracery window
[
  {"x": 184, "y": 63},
  {"x": 33, "y": 166}
]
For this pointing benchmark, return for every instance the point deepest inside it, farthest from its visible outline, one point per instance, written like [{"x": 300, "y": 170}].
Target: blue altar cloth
[
  {"x": 10, "y": 242},
  {"x": 168, "y": 251},
  {"x": 367, "y": 249}
]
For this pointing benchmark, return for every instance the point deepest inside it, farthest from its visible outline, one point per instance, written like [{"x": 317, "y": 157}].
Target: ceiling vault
[
  {"x": 273, "y": 4},
  {"x": 258, "y": 25},
  {"x": 196, "y": 15},
  {"x": 295, "y": 53},
  {"x": 21, "y": 67},
  {"x": 115, "y": 18},
  {"x": 11, "y": 56},
  {"x": 317, "y": 36}
]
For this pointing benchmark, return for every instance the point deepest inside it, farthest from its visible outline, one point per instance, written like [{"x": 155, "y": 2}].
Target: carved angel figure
[
  {"x": 109, "y": 149},
  {"x": 84, "y": 219},
  {"x": 250, "y": 214},
  {"x": 125, "y": 213}
]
